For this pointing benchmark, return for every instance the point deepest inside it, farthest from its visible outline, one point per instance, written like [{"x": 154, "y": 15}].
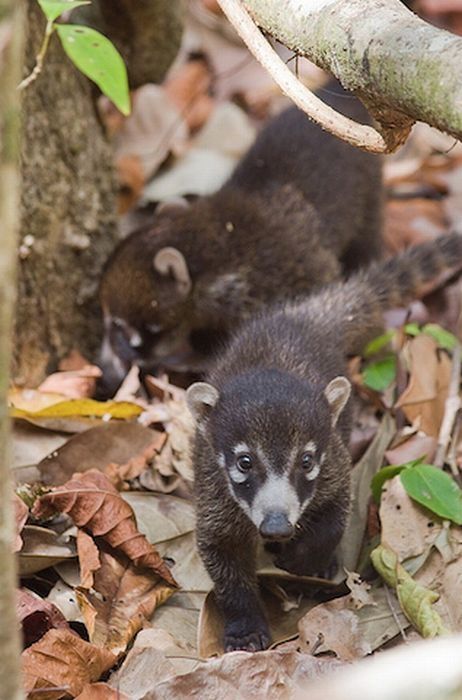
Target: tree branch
[
  {"x": 403, "y": 68},
  {"x": 357, "y": 134}
]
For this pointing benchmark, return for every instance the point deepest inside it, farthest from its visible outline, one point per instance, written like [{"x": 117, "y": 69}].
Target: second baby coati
[
  {"x": 300, "y": 208},
  {"x": 273, "y": 423}
]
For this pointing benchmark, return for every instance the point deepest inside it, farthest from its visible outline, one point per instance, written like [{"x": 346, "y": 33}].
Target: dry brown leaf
[
  {"x": 61, "y": 659},
  {"x": 120, "y": 602},
  {"x": 88, "y": 558},
  {"x": 73, "y": 361},
  {"x": 42, "y": 548},
  {"x": 241, "y": 675},
  {"x": 75, "y": 384},
  {"x": 423, "y": 399},
  {"x": 101, "y": 691},
  {"x": 409, "y": 222},
  {"x": 94, "y": 504},
  {"x": 333, "y": 627},
  {"x": 37, "y": 616},
  {"x": 21, "y": 513},
  {"x": 121, "y": 448},
  {"x": 418, "y": 445}
]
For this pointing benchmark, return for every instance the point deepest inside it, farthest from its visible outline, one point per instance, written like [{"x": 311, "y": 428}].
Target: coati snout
[{"x": 272, "y": 456}]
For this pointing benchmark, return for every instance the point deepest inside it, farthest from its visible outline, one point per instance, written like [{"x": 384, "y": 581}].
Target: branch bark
[
  {"x": 11, "y": 27},
  {"x": 404, "y": 69}
]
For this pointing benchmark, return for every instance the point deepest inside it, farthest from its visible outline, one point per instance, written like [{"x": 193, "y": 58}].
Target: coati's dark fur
[
  {"x": 300, "y": 208},
  {"x": 279, "y": 398}
]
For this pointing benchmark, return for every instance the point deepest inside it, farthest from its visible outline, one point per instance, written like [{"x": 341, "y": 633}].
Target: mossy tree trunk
[
  {"x": 68, "y": 197},
  {"x": 11, "y": 26}
]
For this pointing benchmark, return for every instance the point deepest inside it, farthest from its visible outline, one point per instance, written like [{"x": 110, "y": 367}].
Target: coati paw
[{"x": 242, "y": 635}]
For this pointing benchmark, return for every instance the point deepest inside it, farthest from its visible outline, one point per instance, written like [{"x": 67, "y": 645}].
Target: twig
[
  {"x": 356, "y": 134},
  {"x": 49, "y": 29},
  {"x": 394, "y": 613},
  {"x": 451, "y": 409}
]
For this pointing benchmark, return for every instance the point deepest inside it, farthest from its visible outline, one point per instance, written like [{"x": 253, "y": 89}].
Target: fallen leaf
[
  {"x": 64, "y": 598},
  {"x": 418, "y": 445},
  {"x": 21, "y": 513},
  {"x": 37, "y": 616},
  {"x": 360, "y": 591},
  {"x": 30, "y": 444},
  {"x": 362, "y": 473},
  {"x": 241, "y": 675},
  {"x": 101, "y": 691},
  {"x": 75, "y": 384},
  {"x": 122, "y": 448},
  {"x": 424, "y": 398},
  {"x": 41, "y": 549},
  {"x": 333, "y": 627},
  {"x": 62, "y": 660},
  {"x": 94, "y": 504},
  {"x": 78, "y": 407},
  {"x": 415, "y": 600},
  {"x": 89, "y": 560},
  {"x": 120, "y": 602}
]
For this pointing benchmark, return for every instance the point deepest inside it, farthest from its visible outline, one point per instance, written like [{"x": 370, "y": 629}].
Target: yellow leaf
[{"x": 80, "y": 407}]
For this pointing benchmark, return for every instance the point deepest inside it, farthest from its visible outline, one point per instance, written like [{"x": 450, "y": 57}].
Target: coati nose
[{"x": 276, "y": 526}]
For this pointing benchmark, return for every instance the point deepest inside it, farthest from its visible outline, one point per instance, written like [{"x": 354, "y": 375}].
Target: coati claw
[{"x": 242, "y": 635}]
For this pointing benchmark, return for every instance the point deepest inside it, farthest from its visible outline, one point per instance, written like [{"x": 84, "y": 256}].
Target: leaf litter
[{"x": 115, "y": 599}]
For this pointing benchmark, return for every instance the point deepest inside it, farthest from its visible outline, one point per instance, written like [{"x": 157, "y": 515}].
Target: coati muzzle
[{"x": 276, "y": 526}]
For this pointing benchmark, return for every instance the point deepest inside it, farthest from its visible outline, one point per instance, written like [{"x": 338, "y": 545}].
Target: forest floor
[{"x": 114, "y": 600}]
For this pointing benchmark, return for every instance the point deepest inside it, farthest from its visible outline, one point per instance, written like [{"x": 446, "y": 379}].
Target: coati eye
[
  {"x": 308, "y": 461},
  {"x": 244, "y": 463}
]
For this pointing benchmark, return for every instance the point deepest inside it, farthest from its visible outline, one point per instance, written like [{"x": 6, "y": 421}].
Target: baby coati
[
  {"x": 300, "y": 208},
  {"x": 273, "y": 423}
]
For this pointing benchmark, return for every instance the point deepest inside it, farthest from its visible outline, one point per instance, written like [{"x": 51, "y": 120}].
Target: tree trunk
[
  {"x": 404, "y": 68},
  {"x": 68, "y": 225},
  {"x": 11, "y": 26}
]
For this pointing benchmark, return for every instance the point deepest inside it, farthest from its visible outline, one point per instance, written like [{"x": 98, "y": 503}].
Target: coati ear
[
  {"x": 168, "y": 261},
  {"x": 201, "y": 397},
  {"x": 337, "y": 393}
]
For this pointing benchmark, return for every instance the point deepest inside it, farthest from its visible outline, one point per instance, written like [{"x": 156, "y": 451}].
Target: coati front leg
[
  {"x": 312, "y": 550},
  {"x": 231, "y": 565}
]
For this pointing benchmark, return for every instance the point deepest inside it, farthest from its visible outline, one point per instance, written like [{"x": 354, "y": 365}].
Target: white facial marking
[
  {"x": 110, "y": 359},
  {"x": 263, "y": 458},
  {"x": 237, "y": 476},
  {"x": 310, "y": 446},
  {"x": 240, "y": 448},
  {"x": 135, "y": 339},
  {"x": 276, "y": 494},
  {"x": 313, "y": 473},
  {"x": 221, "y": 460}
]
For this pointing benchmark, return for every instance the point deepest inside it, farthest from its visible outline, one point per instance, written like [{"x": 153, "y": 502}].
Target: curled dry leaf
[
  {"x": 333, "y": 627},
  {"x": 61, "y": 659},
  {"x": 37, "y": 616},
  {"x": 88, "y": 558},
  {"x": 94, "y": 504},
  {"x": 120, "y": 449},
  {"x": 75, "y": 384},
  {"x": 241, "y": 675},
  {"x": 21, "y": 513},
  {"x": 101, "y": 691},
  {"x": 424, "y": 398},
  {"x": 120, "y": 602}
]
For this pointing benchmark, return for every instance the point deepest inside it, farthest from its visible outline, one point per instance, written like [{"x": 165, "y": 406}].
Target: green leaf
[
  {"x": 412, "y": 329},
  {"x": 381, "y": 477},
  {"x": 389, "y": 472},
  {"x": 378, "y": 343},
  {"x": 99, "y": 60},
  {"x": 434, "y": 489},
  {"x": 444, "y": 338},
  {"x": 379, "y": 375},
  {"x": 415, "y": 600},
  {"x": 54, "y": 8}
]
